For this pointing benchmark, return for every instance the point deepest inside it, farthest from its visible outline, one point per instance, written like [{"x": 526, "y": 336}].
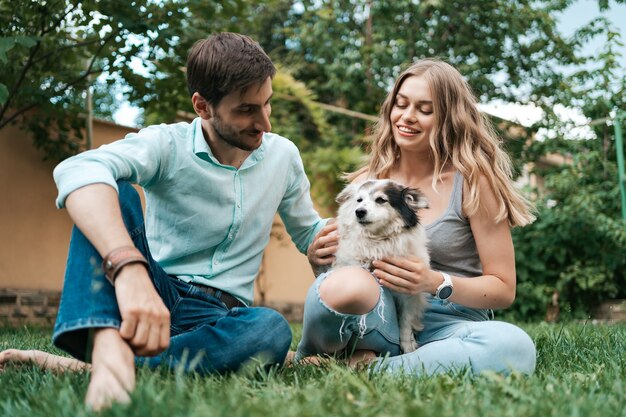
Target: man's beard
[{"x": 230, "y": 136}]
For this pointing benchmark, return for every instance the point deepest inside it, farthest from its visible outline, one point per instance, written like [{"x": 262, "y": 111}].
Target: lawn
[{"x": 581, "y": 371}]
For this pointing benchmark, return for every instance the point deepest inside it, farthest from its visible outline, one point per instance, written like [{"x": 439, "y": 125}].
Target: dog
[{"x": 379, "y": 218}]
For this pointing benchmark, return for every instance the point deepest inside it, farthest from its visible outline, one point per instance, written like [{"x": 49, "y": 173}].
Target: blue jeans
[
  {"x": 206, "y": 336},
  {"x": 454, "y": 337}
]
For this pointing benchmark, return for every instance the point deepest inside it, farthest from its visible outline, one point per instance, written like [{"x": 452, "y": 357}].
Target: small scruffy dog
[{"x": 379, "y": 218}]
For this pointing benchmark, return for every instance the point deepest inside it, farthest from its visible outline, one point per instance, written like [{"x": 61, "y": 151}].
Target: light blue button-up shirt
[{"x": 205, "y": 222}]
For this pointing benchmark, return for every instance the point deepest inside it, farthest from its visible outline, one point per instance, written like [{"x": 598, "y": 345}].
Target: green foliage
[
  {"x": 297, "y": 117},
  {"x": 50, "y": 52},
  {"x": 577, "y": 245},
  {"x": 576, "y": 375},
  {"x": 347, "y": 53},
  {"x": 350, "y": 51}
]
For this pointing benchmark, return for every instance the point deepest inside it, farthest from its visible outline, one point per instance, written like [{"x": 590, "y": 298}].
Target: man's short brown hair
[{"x": 226, "y": 62}]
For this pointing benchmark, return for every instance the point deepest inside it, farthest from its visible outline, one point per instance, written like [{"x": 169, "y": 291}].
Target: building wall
[
  {"x": 33, "y": 241},
  {"x": 34, "y": 235}
]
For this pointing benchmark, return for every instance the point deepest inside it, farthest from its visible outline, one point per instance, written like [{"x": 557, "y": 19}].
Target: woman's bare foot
[
  {"x": 357, "y": 360},
  {"x": 315, "y": 360},
  {"x": 112, "y": 372},
  {"x": 42, "y": 359},
  {"x": 361, "y": 358},
  {"x": 289, "y": 359},
  {"x": 309, "y": 360}
]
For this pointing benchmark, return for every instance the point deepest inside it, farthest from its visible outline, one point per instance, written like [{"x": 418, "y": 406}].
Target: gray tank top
[{"x": 451, "y": 243}]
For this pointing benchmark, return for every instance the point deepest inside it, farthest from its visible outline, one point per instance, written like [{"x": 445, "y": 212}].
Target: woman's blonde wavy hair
[{"x": 461, "y": 134}]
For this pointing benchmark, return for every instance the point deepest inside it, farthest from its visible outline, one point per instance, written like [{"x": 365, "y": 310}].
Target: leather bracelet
[{"x": 118, "y": 258}]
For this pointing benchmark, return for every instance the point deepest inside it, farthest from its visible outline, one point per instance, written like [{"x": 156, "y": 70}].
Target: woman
[{"x": 431, "y": 136}]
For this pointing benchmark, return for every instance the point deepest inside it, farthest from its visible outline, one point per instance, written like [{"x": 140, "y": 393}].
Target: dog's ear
[
  {"x": 415, "y": 198},
  {"x": 346, "y": 193}
]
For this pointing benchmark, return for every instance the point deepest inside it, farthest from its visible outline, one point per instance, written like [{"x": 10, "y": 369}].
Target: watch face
[{"x": 445, "y": 292}]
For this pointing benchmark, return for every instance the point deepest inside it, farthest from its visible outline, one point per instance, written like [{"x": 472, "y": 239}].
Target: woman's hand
[
  {"x": 406, "y": 275},
  {"x": 322, "y": 251}
]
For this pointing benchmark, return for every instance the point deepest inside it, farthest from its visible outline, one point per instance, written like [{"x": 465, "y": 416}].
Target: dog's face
[{"x": 382, "y": 207}]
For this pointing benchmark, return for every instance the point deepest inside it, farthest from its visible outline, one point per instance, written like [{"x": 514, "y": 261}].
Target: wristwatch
[{"x": 444, "y": 291}]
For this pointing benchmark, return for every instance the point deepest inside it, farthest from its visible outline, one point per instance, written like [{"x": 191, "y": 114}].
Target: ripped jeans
[
  {"x": 454, "y": 337},
  {"x": 326, "y": 331}
]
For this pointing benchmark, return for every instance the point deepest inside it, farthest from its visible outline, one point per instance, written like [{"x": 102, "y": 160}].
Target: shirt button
[
  {"x": 216, "y": 262},
  {"x": 238, "y": 205}
]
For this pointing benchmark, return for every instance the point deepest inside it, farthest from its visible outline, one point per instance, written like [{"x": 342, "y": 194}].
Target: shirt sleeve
[
  {"x": 138, "y": 158},
  {"x": 296, "y": 208}
]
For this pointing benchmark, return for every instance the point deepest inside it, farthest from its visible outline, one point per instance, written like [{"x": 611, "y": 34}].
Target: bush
[{"x": 577, "y": 245}]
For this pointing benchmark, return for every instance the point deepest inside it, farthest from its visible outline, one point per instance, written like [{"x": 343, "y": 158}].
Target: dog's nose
[{"x": 360, "y": 213}]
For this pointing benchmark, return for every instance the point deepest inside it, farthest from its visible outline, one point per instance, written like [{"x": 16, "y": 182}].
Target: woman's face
[{"x": 412, "y": 116}]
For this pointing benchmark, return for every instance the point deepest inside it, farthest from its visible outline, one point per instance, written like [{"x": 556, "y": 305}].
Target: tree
[
  {"x": 51, "y": 51},
  {"x": 347, "y": 53},
  {"x": 296, "y": 116},
  {"x": 162, "y": 91},
  {"x": 577, "y": 246}
]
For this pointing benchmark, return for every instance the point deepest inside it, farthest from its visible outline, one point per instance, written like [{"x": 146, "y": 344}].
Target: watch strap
[{"x": 446, "y": 284}]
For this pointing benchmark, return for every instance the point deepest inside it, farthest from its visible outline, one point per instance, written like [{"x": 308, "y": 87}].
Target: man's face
[{"x": 241, "y": 118}]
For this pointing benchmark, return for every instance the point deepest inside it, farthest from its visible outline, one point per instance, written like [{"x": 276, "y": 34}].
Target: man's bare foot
[
  {"x": 112, "y": 372},
  {"x": 42, "y": 359}
]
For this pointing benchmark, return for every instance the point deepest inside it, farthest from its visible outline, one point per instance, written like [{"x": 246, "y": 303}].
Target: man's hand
[
  {"x": 145, "y": 319},
  {"x": 322, "y": 251}
]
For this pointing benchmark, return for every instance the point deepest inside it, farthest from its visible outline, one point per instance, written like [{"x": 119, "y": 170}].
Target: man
[{"x": 178, "y": 292}]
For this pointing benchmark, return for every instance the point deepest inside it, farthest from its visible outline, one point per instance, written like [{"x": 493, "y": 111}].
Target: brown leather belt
[{"x": 223, "y": 296}]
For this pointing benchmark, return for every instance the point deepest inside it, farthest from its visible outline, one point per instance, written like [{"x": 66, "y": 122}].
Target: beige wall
[
  {"x": 285, "y": 273},
  {"x": 34, "y": 235}
]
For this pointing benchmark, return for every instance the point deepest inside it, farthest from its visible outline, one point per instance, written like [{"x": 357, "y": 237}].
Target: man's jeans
[{"x": 206, "y": 336}]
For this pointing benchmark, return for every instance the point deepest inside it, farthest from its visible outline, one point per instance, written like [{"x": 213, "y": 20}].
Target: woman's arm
[{"x": 496, "y": 287}]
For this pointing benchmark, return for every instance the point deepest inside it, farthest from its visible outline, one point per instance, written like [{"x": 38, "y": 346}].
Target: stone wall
[
  {"x": 293, "y": 312},
  {"x": 19, "y": 306},
  {"x": 611, "y": 311}
]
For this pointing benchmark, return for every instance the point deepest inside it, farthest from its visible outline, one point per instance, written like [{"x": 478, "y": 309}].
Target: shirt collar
[{"x": 202, "y": 149}]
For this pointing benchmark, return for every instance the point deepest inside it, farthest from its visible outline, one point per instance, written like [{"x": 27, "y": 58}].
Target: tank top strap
[{"x": 456, "y": 198}]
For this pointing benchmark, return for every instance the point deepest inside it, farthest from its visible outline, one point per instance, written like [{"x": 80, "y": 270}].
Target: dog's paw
[
  {"x": 417, "y": 325},
  {"x": 409, "y": 344}
]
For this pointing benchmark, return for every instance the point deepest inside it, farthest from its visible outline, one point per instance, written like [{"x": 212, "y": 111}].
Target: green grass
[{"x": 581, "y": 371}]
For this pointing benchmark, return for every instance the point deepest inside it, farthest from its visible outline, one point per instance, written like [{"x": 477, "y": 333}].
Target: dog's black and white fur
[{"x": 379, "y": 218}]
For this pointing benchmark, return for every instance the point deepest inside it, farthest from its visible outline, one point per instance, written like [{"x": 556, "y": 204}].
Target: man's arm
[
  {"x": 321, "y": 252},
  {"x": 313, "y": 236},
  {"x": 145, "y": 320}
]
